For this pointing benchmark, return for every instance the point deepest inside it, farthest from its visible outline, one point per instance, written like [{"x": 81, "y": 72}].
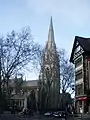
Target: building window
[
  {"x": 78, "y": 74},
  {"x": 79, "y": 89},
  {"x": 78, "y": 62}
]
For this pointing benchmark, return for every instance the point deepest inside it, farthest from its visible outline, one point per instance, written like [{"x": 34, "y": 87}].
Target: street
[
  {"x": 17, "y": 117},
  {"x": 37, "y": 117}
]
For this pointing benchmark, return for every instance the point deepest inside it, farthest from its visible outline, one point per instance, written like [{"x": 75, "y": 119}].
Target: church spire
[{"x": 51, "y": 42}]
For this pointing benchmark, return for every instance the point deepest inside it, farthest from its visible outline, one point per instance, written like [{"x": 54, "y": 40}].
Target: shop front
[{"x": 81, "y": 102}]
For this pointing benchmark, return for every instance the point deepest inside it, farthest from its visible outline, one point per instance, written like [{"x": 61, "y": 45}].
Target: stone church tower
[{"x": 50, "y": 73}]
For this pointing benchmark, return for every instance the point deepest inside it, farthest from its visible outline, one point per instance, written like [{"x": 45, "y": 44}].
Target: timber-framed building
[{"x": 80, "y": 57}]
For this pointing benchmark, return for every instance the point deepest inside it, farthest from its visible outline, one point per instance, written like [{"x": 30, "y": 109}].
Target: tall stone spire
[
  {"x": 50, "y": 73},
  {"x": 51, "y": 42}
]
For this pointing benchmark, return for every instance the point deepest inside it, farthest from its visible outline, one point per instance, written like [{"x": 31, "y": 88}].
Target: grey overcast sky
[{"x": 70, "y": 18}]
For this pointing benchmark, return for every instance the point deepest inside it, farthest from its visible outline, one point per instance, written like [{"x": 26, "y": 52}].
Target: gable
[
  {"x": 76, "y": 51},
  {"x": 84, "y": 44}
]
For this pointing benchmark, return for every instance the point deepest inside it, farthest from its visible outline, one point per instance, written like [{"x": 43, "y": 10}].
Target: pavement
[{"x": 80, "y": 117}]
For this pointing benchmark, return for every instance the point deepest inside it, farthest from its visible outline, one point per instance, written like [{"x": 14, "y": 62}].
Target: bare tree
[
  {"x": 66, "y": 73},
  {"x": 47, "y": 74},
  {"x": 17, "y": 49}
]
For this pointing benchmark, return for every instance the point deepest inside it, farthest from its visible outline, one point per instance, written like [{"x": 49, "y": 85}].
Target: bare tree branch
[
  {"x": 66, "y": 72},
  {"x": 17, "y": 50}
]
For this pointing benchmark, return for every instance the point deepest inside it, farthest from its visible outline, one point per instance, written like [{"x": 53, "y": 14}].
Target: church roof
[
  {"x": 30, "y": 83},
  {"x": 83, "y": 42},
  {"x": 18, "y": 97}
]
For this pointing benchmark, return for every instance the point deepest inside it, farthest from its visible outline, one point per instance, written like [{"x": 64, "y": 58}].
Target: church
[
  {"x": 50, "y": 74},
  {"x": 47, "y": 87}
]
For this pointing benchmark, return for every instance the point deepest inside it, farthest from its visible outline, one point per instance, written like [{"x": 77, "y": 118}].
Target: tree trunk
[{"x": 47, "y": 99}]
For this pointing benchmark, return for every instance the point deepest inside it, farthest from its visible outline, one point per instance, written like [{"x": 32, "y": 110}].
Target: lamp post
[{"x": 73, "y": 88}]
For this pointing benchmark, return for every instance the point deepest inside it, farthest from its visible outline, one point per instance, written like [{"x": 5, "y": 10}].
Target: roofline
[
  {"x": 76, "y": 39},
  {"x": 30, "y": 80},
  {"x": 72, "y": 50}
]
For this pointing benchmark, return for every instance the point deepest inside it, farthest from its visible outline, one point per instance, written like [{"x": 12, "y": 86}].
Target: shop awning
[{"x": 82, "y": 98}]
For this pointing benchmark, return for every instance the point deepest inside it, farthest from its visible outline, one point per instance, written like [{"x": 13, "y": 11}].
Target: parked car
[
  {"x": 48, "y": 114},
  {"x": 59, "y": 114}
]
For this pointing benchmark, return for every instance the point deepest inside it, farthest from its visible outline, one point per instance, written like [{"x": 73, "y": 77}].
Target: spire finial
[
  {"x": 51, "y": 24},
  {"x": 51, "y": 19}
]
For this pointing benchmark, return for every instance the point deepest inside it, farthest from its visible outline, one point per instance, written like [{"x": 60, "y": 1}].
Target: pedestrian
[
  {"x": 13, "y": 110},
  {"x": 66, "y": 114}
]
